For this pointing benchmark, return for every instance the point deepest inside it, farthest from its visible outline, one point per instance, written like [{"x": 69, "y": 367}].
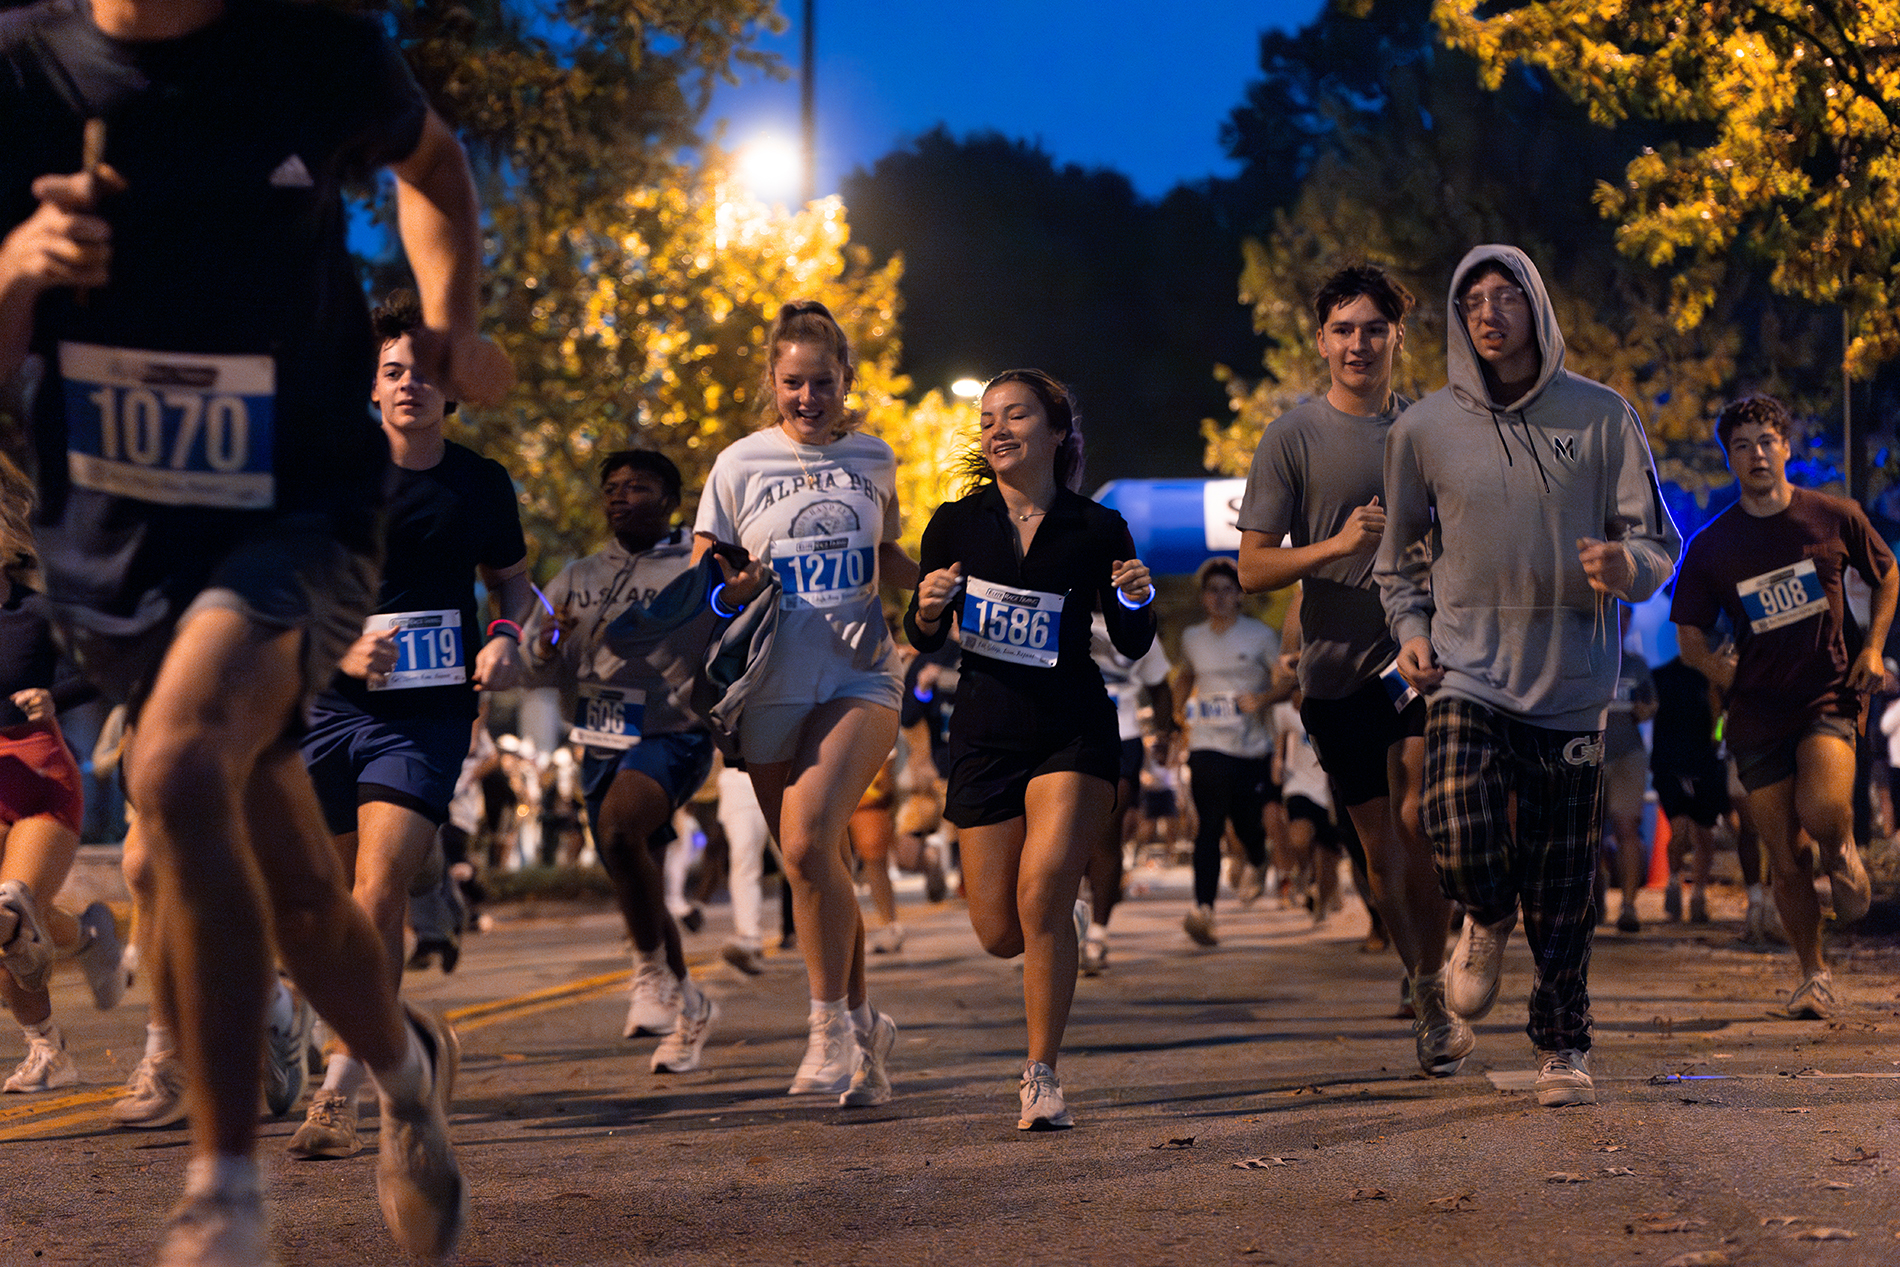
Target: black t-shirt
[
  {"x": 235, "y": 142},
  {"x": 444, "y": 522},
  {"x": 1029, "y": 682},
  {"x": 1682, "y": 737},
  {"x": 29, "y": 658}
]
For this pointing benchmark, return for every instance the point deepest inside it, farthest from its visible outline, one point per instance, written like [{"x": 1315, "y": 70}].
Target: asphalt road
[{"x": 1254, "y": 1103}]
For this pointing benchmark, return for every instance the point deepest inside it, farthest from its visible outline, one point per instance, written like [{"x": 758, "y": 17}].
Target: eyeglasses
[{"x": 1503, "y": 299}]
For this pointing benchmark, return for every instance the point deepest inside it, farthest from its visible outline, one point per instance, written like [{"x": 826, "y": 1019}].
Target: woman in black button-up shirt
[{"x": 1034, "y": 751}]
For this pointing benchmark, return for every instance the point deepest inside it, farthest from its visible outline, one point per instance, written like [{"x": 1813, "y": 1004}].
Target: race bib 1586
[
  {"x": 1021, "y": 626},
  {"x": 1782, "y": 597},
  {"x": 428, "y": 648},
  {"x": 176, "y": 428},
  {"x": 608, "y": 716},
  {"x": 824, "y": 571}
]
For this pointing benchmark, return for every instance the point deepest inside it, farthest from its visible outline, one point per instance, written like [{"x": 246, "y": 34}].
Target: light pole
[{"x": 808, "y": 108}]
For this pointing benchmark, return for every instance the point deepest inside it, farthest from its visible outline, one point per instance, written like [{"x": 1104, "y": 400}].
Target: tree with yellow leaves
[{"x": 1801, "y": 100}]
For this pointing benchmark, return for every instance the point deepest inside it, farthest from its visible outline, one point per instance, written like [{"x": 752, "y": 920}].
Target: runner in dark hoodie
[{"x": 1520, "y": 498}]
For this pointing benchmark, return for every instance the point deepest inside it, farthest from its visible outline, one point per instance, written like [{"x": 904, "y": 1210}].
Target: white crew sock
[
  {"x": 409, "y": 1082},
  {"x": 828, "y": 1011},
  {"x": 223, "y": 1175},
  {"x": 1754, "y": 895},
  {"x": 344, "y": 1073},
  {"x": 158, "y": 1040},
  {"x": 44, "y": 1030},
  {"x": 863, "y": 1018},
  {"x": 1098, "y": 932}
]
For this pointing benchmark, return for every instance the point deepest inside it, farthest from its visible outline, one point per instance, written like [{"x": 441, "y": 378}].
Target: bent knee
[
  {"x": 178, "y": 783},
  {"x": 1003, "y": 942}
]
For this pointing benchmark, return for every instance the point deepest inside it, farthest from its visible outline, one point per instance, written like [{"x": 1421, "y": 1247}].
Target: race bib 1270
[
  {"x": 608, "y": 716},
  {"x": 1782, "y": 597},
  {"x": 824, "y": 571},
  {"x": 1021, "y": 626},
  {"x": 428, "y": 648},
  {"x": 176, "y": 428}
]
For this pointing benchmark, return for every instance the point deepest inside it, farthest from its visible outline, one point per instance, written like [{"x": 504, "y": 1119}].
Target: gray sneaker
[
  {"x": 1043, "y": 1108},
  {"x": 653, "y": 1001},
  {"x": 102, "y": 958},
  {"x": 1199, "y": 924},
  {"x": 418, "y": 1184},
  {"x": 1847, "y": 876},
  {"x": 1443, "y": 1037},
  {"x": 329, "y": 1128},
  {"x": 25, "y": 949},
  {"x": 1563, "y": 1078},
  {"x": 154, "y": 1095},
  {"x": 217, "y": 1229},
  {"x": 1813, "y": 999},
  {"x": 680, "y": 1050},
  {"x": 1476, "y": 966},
  {"x": 286, "y": 1071},
  {"x": 871, "y": 1081}
]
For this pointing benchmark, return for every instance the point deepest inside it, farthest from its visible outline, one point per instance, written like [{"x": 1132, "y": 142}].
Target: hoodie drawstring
[{"x": 1529, "y": 444}]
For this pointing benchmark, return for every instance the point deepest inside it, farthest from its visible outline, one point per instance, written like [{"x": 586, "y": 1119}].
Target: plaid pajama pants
[{"x": 1478, "y": 763}]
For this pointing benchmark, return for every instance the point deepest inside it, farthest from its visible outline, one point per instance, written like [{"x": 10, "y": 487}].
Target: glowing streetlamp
[
  {"x": 772, "y": 168},
  {"x": 966, "y": 389}
]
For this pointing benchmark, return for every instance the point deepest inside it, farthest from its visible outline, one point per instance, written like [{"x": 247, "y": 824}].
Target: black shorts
[
  {"x": 1703, "y": 796},
  {"x": 986, "y": 785},
  {"x": 1132, "y": 756},
  {"x": 1158, "y": 802},
  {"x": 1305, "y": 809},
  {"x": 1353, "y": 735}
]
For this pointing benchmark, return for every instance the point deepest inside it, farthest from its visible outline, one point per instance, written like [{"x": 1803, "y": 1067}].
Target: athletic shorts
[
  {"x": 1305, "y": 809},
  {"x": 1133, "y": 756},
  {"x": 679, "y": 763},
  {"x": 1353, "y": 734},
  {"x": 769, "y": 733},
  {"x": 1624, "y": 781},
  {"x": 1158, "y": 802},
  {"x": 1771, "y": 763},
  {"x": 355, "y": 758},
  {"x": 39, "y": 776},
  {"x": 1703, "y": 797},
  {"x": 987, "y": 785},
  {"x": 289, "y": 573}
]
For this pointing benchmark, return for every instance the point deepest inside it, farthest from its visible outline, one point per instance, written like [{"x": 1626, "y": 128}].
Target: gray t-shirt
[
  {"x": 1634, "y": 685},
  {"x": 1314, "y": 467}
]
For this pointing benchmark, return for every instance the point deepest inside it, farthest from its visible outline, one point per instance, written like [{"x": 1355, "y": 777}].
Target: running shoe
[
  {"x": 1477, "y": 965},
  {"x": 871, "y": 1081},
  {"x": 329, "y": 1128},
  {"x": 1043, "y": 1107},
  {"x": 418, "y": 1184},
  {"x": 680, "y": 1050},
  {"x": 25, "y": 949},
  {"x": 1082, "y": 914},
  {"x": 936, "y": 884},
  {"x": 887, "y": 940},
  {"x": 286, "y": 1071},
  {"x": 1698, "y": 908},
  {"x": 102, "y": 957},
  {"x": 1626, "y": 921},
  {"x": 746, "y": 959},
  {"x": 831, "y": 1056},
  {"x": 47, "y": 1066},
  {"x": 1563, "y": 1078},
  {"x": 449, "y": 948},
  {"x": 217, "y": 1229},
  {"x": 1853, "y": 892},
  {"x": 1813, "y": 999},
  {"x": 1672, "y": 900},
  {"x": 1754, "y": 921},
  {"x": 653, "y": 1004},
  {"x": 1253, "y": 882},
  {"x": 154, "y": 1096},
  {"x": 1199, "y": 924},
  {"x": 1094, "y": 956},
  {"x": 1443, "y": 1037}
]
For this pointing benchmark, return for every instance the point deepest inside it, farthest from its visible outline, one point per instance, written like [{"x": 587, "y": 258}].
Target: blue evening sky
[{"x": 1140, "y": 87}]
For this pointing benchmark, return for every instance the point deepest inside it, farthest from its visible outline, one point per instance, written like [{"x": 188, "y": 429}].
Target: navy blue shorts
[
  {"x": 679, "y": 763},
  {"x": 354, "y": 758}
]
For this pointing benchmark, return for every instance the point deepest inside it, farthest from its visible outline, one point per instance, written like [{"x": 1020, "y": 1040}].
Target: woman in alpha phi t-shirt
[{"x": 817, "y": 502}]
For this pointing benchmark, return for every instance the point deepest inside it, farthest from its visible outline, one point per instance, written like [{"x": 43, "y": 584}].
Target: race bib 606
[
  {"x": 608, "y": 716},
  {"x": 428, "y": 648},
  {"x": 824, "y": 571},
  {"x": 177, "y": 428},
  {"x": 1021, "y": 626},
  {"x": 1782, "y": 597}
]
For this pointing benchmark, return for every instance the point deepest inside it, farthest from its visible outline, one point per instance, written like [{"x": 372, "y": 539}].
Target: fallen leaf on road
[
  {"x": 1250, "y": 1249},
  {"x": 1859, "y": 1157},
  {"x": 758, "y": 1161},
  {"x": 1700, "y": 1258},
  {"x": 1618, "y": 1170},
  {"x": 1834, "y": 1185},
  {"x": 1371, "y": 1194},
  {"x": 1797, "y": 1110},
  {"x": 1564, "y": 1176},
  {"x": 1826, "y": 1234},
  {"x": 1659, "y": 1223},
  {"x": 1456, "y": 1201},
  {"x": 1610, "y": 1148},
  {"x": 1263, "y": 1163},
  {"x": 1187, "y": 1142}
]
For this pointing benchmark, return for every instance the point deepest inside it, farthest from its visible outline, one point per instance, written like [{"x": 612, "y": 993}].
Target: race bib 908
[
  {"x": 176, "y": 428},
  {"x": 1782, "y": 597},
  {"x": 608, "y": 716},
  {"x": 1020, "y": 626},
  {"x": 428, "y": 648}
]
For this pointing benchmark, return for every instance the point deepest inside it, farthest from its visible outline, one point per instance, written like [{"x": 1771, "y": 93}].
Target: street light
[
  {"x": 772, "y": 167},
  {"x": 966, "y": 389}
]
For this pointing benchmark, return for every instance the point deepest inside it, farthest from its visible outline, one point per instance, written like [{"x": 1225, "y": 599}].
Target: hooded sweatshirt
[{"x": 1485, "y": 505}]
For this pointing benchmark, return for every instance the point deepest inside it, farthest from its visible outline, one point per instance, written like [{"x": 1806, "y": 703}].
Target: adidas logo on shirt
[{"x": 292, "y": 174}]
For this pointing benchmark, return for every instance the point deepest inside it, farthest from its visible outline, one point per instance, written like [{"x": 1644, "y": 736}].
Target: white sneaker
[
  {"x": 418, "y": 1184},
  {"x": 1563, "y": 1078},
  {"x": 46, "y": 1067},
  {"x": 1199, "y": 924},
  {"x": 103, "y": 957},
  {"x": 1847, "y": 878},
  {"x": 653, "y": 1004},
  {"x": 25, "y": 949},
  {"x": 680, "y": 1050},
  {"x": 217, "y": 1230},
  {"x": 1094, "y": 957},
  {"x": 871, "y": 1082},
  {"x": 831, "y": 1056},
  {"x": 1813, "y": 1000},
  {"x": 887, "y": 940},
  {"x": 1476, "y": 966},
  {"x": 286, "y": 1071},
  {"x": 1442, "y": 1037},
  {"x": 154, "y": 1095},
  {"x": 1043, "y": 1106},
  {"x": 1082, "y": 913}
]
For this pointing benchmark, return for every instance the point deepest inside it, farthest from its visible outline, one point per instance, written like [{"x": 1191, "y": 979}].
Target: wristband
[
  {"x": 713, "y": 600},
  {"x": 508, "y": 627},
  {"x": 1135, "y": 607}
]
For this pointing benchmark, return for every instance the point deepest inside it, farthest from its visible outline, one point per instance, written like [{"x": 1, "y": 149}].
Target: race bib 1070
[
  {"x": 1020, "y": 626},
  {"x": 176, "y": 428},
  {"x": 428, "y": 648},
  {"x": 824, "y": 571},
  {"x": 1782, "y": 597},
  {"x": 608, "y": 716}
]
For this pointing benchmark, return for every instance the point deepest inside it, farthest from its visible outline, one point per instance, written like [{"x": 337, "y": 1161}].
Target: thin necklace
[{"x": 1027, "y": 515}]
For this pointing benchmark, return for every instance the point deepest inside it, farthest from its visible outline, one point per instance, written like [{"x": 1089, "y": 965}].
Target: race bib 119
[
  {"x": 176, "y": 428},
  {"x": 1020, "y": 626},
  {"x": 428, "y": 648},
  {"x": 608, "y": 716},
  {"x": 824, "y": 571},
  {"x": 1782, "y": 597}
]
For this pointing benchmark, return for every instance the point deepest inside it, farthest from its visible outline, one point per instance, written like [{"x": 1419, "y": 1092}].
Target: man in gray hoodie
[{"x": 1520, "y": 498}]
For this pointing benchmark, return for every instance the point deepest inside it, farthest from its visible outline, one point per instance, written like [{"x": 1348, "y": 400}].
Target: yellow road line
[
  {"x": 600, "y": 991},
  {"x": 456, "y": 1016},
  {"x": 34, "y": 1108}
]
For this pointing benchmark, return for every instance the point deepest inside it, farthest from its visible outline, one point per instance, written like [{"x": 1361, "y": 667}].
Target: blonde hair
[{"x": 17, "y": 555}]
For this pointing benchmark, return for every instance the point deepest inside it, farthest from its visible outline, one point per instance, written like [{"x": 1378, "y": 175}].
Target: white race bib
[
  {"x": 608, "y": 716},
  {"x": 428, "y": 649},
  {"x": 1020, "y": 626},
  {"x": 1216, "y": 706},
  {"x": 176, "y": 428},
  {"x": 1782, "y": 597},
  {"x": 825, "y": 571}
]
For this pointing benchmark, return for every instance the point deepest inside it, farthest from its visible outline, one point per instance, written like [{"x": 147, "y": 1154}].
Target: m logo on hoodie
[{"x": 1566, "y": 447}]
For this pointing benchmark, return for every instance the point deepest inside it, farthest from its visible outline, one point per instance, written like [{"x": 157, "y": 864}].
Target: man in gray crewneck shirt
[{"x": 1316, "y": 484}]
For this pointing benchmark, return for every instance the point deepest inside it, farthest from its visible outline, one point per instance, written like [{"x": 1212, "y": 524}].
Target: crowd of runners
[{"x": 300, "y": 605}]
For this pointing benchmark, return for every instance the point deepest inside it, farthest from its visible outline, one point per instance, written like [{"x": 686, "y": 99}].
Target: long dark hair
[{"x": 1058, "y": 404}]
